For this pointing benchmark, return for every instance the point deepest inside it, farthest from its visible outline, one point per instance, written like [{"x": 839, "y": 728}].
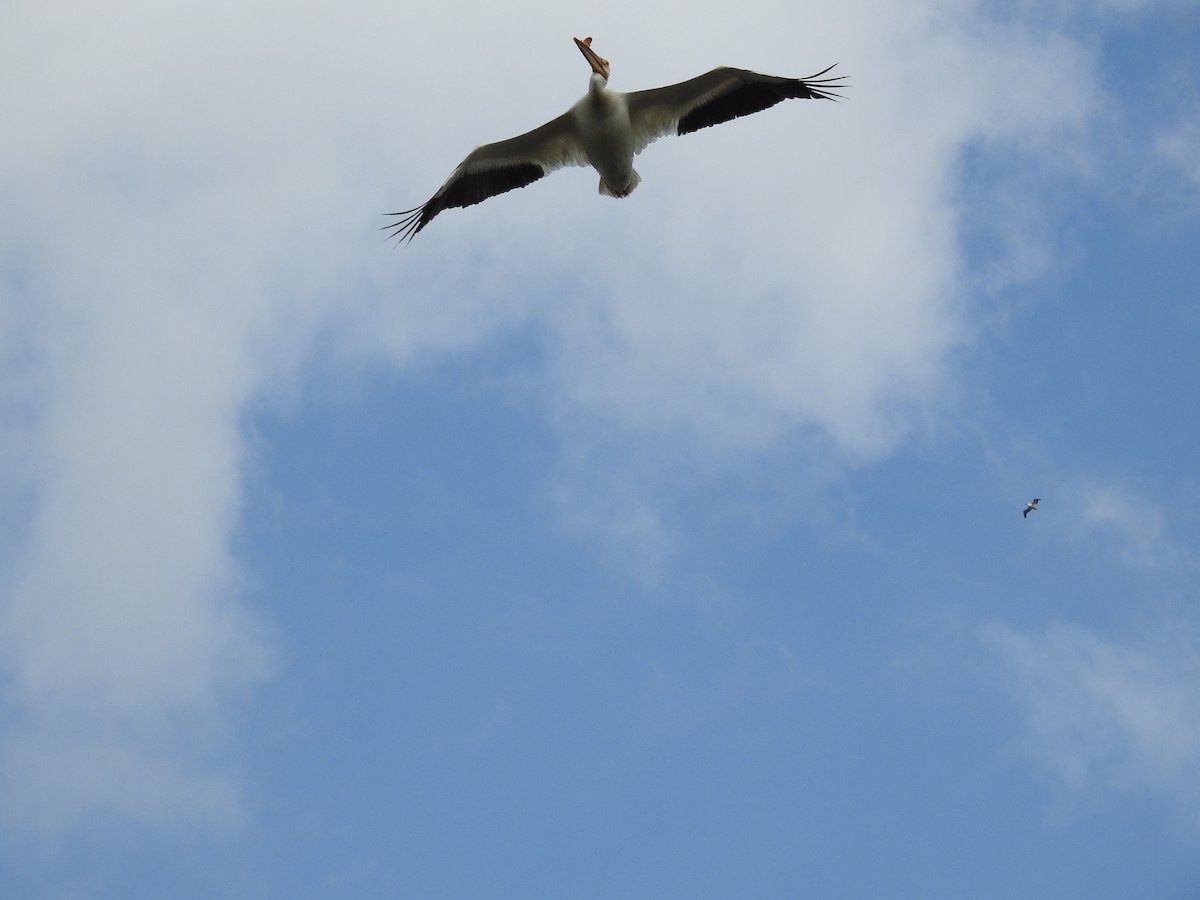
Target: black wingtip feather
[
  {"x": 408, "y": 223},
  {"x": 466, "y": 189},
  {"x": 757, "y": 95}
]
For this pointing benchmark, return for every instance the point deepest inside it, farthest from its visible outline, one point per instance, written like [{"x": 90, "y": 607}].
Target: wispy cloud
[
  {"x": 1109, "y": 715},
  {"x": 1126, "y": 523},
  {"x": 1179, "y": 146},
  {"x": 1137, "y": 524}
]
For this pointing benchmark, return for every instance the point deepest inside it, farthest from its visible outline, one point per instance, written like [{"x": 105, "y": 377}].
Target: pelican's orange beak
[{"x": 598, "y": 63}]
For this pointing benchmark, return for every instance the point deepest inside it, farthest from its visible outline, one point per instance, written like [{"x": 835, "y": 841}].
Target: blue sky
[{"x": 669, "y": 547}]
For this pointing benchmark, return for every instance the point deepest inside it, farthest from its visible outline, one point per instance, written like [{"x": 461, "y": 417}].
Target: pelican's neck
[{"x": 597, "y": 88}]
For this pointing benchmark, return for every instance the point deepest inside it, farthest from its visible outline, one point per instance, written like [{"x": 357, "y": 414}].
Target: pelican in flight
[
  {"x": 1031, "y": 506},
  {"x": 606, "y": 129}
]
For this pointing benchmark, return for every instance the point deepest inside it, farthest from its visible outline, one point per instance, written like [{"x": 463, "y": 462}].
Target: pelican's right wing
[{"x": 495, "y": 168}]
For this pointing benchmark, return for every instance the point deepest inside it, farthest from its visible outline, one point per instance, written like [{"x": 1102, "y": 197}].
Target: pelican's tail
[{"x": 609, "y": 192}]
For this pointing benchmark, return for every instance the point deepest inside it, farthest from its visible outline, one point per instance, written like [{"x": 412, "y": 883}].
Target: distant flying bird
[
  {"x": 1031, "y": 506},
  {"x": 606, "y": 129}
]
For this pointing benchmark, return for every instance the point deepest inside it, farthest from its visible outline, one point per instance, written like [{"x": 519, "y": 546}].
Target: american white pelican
[
  {"x": 1031, "y": 506},
  {"x": 606, "y": 129}
]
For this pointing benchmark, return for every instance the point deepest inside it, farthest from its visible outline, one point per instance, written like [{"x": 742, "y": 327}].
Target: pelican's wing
[
  {"x": 716, "y": 97},
  {"x": 495, "y": 168}
]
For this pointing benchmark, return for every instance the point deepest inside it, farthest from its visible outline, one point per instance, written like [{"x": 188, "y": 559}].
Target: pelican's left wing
[
  {"x": 716, "y": 97},
  {"x": 495, "y": 168}
]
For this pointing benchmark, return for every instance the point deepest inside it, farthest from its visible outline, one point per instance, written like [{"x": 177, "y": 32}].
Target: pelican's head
[{"x": 598, "y": 63}]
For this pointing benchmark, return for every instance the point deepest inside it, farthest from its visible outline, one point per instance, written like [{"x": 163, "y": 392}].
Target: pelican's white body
[{"x": 605, "y": 129}]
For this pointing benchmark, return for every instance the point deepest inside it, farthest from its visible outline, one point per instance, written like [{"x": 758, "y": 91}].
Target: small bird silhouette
[{"x": 1031, "y": 506}]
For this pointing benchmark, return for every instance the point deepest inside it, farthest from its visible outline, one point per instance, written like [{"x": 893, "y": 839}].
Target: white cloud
[
  {"x": 190, "y": 196},
  {"x": 55, "y": 780},
  {"x": 1179, "y": 145},
  {"x": 1133, "y": 522},
  {"x": 1115, "y": 519},
  {"x": 1107, "y": 715}
]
